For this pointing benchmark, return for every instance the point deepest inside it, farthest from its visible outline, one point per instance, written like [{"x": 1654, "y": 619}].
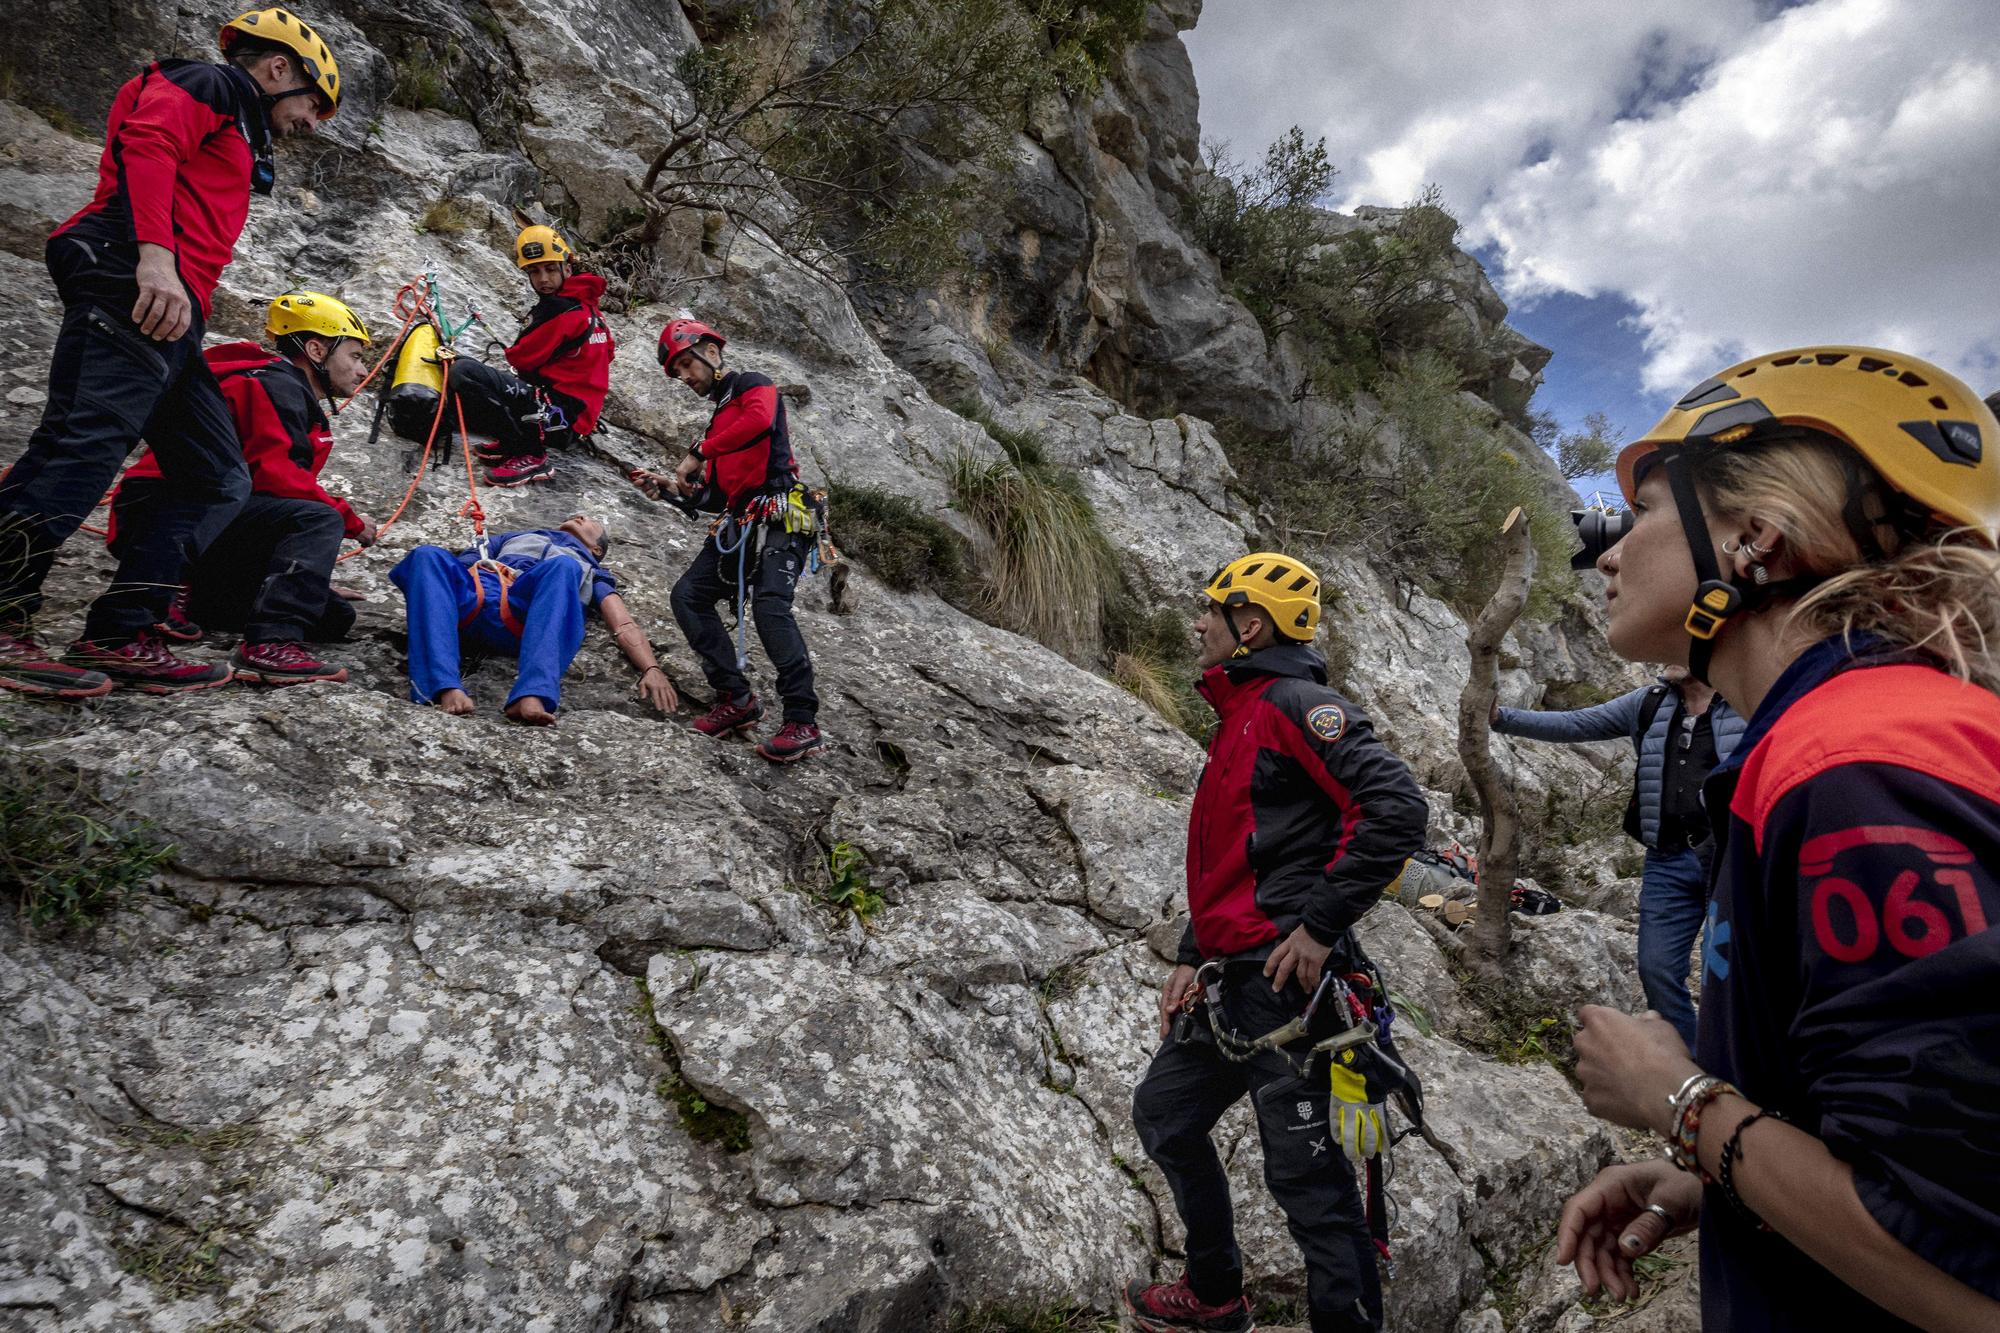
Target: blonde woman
[{"x": 1815, "y": 535}]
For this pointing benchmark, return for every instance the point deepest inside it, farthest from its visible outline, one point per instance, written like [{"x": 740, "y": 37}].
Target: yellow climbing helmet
[
  {"x": 281, "y": 27},
  {"x": 1281, "y": 587},
  {"x": 313, "y": 314},
  {"x": 539, "y": 245},
  {"x": 1927, "y": 435}
]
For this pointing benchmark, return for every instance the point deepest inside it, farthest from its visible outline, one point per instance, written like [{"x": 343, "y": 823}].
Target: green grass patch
[
  {"x": 1152, "y": 654},
  {"x": 66, "y": 856},
  {"x": 448, "y": 217},
  {"x": 179, "y": 1265},
  {"x": 419, "y": 82},
  {"x": 1051, "y": 567},
  {"x": 704, "y": 1121},
  {"x": 901, "y": 544}
]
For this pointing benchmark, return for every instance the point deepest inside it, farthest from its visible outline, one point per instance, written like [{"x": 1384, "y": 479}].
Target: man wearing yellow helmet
[
  {"x": 268, "y": 570},
  {"x": 1815, "y": 535},
  {"x": 561, "y": 368},
  {"x": 185, "y": 146},
  {"x": 1300, "y": 821}
]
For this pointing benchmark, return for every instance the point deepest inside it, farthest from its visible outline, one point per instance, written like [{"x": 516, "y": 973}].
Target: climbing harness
[
  {"x": 504, "y": 576},
  {"x": 1358, "y": 1041}
]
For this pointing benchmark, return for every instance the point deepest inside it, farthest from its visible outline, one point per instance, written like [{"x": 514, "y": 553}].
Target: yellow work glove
[{"x": 1358, "y": 1120}]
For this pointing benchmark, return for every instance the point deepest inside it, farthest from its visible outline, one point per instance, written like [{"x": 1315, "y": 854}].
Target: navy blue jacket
[{"x": 1850, "y": 973}]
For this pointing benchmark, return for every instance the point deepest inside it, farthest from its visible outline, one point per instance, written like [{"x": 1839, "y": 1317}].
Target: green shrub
[
  {"x": 1051, "y": 566},
  {"x": 1423, "y": 491},
  {"x": 904, "y": 546},
  {"x": 419, "y": 82},
  {"x": 65, "y": 855},
  {"x": 847, "y": 887}
]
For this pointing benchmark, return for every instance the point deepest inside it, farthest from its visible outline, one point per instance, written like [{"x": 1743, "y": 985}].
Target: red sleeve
[
  {"x": 746, "y": 420},
  {"x": 164, "y": 128},
  {"x": 275, "y": 437},
  {"x": 532, "y": 350}
]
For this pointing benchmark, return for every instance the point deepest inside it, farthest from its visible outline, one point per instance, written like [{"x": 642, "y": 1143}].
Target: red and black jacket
[
  {"x": 567, "y": 348},
  {"x": 1302, "y": 817},
  {"x": 748, "y": 447},
  {"x": 280, "y": 424},
  {"x": 179, "y": 147},
  {"x": 1851, "y": 972}
]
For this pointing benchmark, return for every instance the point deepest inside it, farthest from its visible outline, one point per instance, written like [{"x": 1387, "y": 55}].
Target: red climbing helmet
[{"x": 681, "y": 335}]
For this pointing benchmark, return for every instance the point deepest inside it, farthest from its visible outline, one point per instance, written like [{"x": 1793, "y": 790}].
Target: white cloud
[{"x": 1827, "y": 172}]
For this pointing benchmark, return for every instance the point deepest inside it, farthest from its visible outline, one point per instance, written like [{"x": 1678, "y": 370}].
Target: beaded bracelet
[
  {"x": 1732, "y": 1152},
  {"x": 1693, "y": 1100}
]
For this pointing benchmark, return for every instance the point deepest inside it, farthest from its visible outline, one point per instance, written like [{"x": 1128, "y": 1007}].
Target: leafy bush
[
  {"x": 847, "y": 887},
  {"x": 65, "y": 855},
  {"x": 904, "y": 546},
  {"x": 1422, "y": 490},
  {"x": 1357, "y": 300},
  {"x": 1051, "y": 567}
]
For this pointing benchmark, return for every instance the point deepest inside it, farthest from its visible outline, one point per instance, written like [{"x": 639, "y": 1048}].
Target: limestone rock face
[{"x": 443, "y": 1023}]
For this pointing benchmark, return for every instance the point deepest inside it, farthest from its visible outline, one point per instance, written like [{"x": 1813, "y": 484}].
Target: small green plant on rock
[
  {"x": 446, "y": 216},
  {"x": 847, "y": 887},
  {"x": 704, "y": 1121},
  {"x": 65, "y": 855}
]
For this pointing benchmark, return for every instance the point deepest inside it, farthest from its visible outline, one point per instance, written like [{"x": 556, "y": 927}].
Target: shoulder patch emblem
[{"x": 1327, "y": 722}]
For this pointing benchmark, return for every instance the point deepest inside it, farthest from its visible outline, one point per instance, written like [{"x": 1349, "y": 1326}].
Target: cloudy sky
[{"x": 1659, "y": 188}]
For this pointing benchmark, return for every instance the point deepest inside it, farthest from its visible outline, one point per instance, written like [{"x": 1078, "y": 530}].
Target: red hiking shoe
[
  {"x": 177, "y": 626},
  {"x": 728, "y": 717},
  {"x": 146, "y": 664},
  {"x": 794, "y": 741},
  {"x": 490, "y": 452},
  {"x": 283, "y": 663},
  {"x": 28, "y": 667},
  {"x": 520, "y": 471},
  {"x": 1172, "y": 1307}
]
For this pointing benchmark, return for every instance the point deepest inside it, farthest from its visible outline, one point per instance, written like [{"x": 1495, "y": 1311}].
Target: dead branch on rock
[{"x": 1499, "y": 838}]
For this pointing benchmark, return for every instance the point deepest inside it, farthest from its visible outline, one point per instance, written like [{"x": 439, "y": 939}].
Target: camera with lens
[{"x": 1600, "y": 530}]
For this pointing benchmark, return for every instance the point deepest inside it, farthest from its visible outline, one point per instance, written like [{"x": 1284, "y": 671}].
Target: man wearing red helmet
[
  {"x": 761, "y": 544},
  {"x": 185, "y": 146}
]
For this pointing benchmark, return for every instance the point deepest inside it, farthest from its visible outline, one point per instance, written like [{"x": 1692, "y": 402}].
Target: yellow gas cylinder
[{"x": 413, "y": 391}]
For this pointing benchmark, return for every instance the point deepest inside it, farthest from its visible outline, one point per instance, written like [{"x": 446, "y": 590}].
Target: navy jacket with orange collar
[
  {"x": 1301, "y": 817},
  {"x": 1851, "y": 976}
]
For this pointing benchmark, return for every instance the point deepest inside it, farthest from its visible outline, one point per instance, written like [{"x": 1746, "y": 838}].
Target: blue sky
[{"x": 1660, "y": 190}]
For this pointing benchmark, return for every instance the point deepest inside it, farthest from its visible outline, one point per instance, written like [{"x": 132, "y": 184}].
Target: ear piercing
[{"x": 1747, "y": 547}]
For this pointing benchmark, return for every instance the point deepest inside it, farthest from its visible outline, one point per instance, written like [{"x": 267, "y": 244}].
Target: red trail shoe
[
  {"x": 523, "y": 470},
  {"x": 177, "y": 625},
  {"x": 146, "y": 664},
  {"x": 793, "y": 742},
  {"x": 728, "y": 717},
  {"x": 1172, "y": 1307},
  {"x": 28, "y": 667},
  {"x": 281, "y": 664}
]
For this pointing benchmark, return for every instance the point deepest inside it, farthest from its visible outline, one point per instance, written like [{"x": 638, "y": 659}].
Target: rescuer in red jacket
[
  {"x": 1301, "y": 819},
  {"x": 185, "y": 146},
  {"x": 761, "y": 545},
  {"x": 268, "y": 571},
  {"x": 561, "y": 362}
]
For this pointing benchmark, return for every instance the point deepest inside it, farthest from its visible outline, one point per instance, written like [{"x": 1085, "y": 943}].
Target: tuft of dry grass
[{"x": 1051, "y": 566}]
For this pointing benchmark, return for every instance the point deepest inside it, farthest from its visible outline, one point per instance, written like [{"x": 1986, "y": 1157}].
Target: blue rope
[{"x": 741, "y": 549}]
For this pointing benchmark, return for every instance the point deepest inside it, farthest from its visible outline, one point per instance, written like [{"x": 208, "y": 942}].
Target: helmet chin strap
[
  {"x": 1716, "y": 599},
  {"x": 1242, "y": 649}
]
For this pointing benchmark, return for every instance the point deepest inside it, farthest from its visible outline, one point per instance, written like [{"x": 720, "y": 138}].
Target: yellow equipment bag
[{"x": 419, "y": 377}]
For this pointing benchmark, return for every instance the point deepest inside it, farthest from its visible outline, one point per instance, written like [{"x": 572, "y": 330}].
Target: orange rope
[
  {"x": 437, "y": 419},
  {"x": 471, "y": 509}
]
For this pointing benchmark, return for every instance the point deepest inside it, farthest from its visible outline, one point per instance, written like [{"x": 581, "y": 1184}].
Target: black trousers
[
  {"x": 771, "y": 569},
  {"x": 1185, "y": 1091},
  {"x": 109, "y": 386},
  {"x": 267, "y": 572},
  {"x": 497, "y": 401}
]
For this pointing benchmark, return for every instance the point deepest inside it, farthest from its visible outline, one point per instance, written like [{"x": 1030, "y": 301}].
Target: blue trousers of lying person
[{"x": 448, "y": 611}]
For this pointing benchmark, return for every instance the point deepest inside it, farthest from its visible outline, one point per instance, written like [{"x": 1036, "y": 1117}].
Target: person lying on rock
[
  {"x": 1814, "y": 533},
  {"x": 525, "y": 599},
  {"x": 1301, "y": 819},
  {"x": 186, "y": 145},
  {"x": 760, "y": 546},
  {"x": 268, "y": 571},
  {"x": 561, "y": 368}
]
